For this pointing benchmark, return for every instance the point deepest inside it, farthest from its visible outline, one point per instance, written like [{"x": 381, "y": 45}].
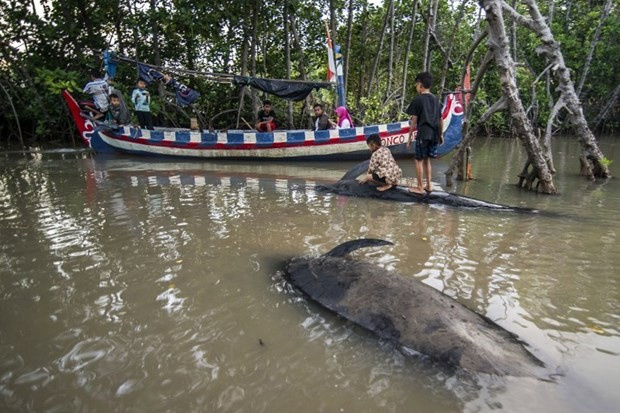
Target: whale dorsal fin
[
  {"x": 349, "y": 246},
  {"x": 356, "y": 171}
]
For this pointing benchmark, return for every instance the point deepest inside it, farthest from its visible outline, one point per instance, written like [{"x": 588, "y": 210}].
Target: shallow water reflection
[{"x": 131, "y": 285}]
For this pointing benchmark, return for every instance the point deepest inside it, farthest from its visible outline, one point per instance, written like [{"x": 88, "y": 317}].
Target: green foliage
[
  {"x": 606, "y": 162},
  {"x": 48, "y": 45},
  {"x": 374, "y": 109},
  {"x": 57, "y": 80}
]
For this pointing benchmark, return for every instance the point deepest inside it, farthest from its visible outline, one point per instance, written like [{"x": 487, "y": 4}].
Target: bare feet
[
  {"x": 416, "y": 190},
  {"x": 384, "y": 188}
]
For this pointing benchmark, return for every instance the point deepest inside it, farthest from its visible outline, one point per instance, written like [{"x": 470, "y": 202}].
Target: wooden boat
[{"x": 333, "y": 144}]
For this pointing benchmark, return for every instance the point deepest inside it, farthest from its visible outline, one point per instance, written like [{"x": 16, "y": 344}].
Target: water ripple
[{"x": 129, "y": 285}]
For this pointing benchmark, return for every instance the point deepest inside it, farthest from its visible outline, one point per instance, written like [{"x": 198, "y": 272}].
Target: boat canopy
[
  {"x": 295, "y": 90},
  {"x": 286, "y": 89}
]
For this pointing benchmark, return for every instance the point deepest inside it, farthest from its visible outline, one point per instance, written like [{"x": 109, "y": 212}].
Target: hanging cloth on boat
[
  {"x": 149, "y": 74},
  {"x": 110, "y": 61},
  {"x": 290, "y": 90},
  {"x": 184, "y": 94}
]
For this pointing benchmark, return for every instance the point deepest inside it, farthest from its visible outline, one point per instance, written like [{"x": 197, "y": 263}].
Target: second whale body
[{"x": 409, "y": 312}]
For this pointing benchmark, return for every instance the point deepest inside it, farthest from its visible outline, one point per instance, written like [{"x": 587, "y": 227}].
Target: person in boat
[
  {"x": 266, "y": 118},
  {"x": 118, "y": 112},
  {"x": 382, "y": 169},
  {"x": 321, "y": 120},
  {"x": 98, "y": 88},
  {"x": 141, "y": 99},
  {"x": 344, "y": 120},
  {"x": 116, "y": 91},
  {"x": 425, "y": 111}
]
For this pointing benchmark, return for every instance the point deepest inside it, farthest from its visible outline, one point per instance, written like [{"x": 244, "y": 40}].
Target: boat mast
[
  {"x": 339, "y": 77},
  {"x": 334, "y": 68}
]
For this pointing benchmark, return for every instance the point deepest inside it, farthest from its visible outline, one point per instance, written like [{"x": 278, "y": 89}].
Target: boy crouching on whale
[{"x": 383, "y": 169}]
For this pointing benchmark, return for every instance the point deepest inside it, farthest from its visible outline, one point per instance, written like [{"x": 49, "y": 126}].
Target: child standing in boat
[
  {"x": 141, "y": 99},
  {"x": 383, "y": 169}
]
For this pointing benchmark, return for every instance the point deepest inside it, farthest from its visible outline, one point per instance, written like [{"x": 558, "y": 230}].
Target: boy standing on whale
[{"x": 425, "y": 111}]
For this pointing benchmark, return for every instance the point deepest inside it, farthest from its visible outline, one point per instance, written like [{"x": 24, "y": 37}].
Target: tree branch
[
  {"x": 595, "y": 40},
  {"x": 519, "y": 18},
  {"x": 470, "y": 52}
]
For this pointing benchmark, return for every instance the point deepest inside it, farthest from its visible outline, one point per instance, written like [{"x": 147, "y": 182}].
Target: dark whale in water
[
  {"x": 348, "y": 185},
  {"x": 412, "y": 314}
]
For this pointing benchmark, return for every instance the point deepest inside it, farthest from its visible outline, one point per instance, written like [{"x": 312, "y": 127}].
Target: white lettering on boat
[{"x": 394, "y": 139}]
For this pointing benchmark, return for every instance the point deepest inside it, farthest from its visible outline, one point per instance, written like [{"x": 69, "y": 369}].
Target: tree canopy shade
[{"x": 49, "y": 45}]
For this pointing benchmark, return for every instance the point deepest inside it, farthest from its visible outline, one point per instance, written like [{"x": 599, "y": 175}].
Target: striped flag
[{"x": 331, "y": 64}]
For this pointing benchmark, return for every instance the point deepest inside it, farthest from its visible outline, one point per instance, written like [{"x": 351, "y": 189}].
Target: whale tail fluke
[
  {"x": 349, "y": 246},
  {"x": 356, "y": 171}
]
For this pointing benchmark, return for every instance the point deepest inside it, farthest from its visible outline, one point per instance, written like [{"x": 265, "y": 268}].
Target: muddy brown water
[{"x": 139, "y": 285}]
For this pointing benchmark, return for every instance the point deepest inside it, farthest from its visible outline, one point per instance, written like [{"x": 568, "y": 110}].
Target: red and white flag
[{"x": 331, "y": 64}]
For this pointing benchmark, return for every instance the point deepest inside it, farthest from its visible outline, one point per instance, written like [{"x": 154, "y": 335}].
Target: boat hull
[{"x": 333, "y": 144}]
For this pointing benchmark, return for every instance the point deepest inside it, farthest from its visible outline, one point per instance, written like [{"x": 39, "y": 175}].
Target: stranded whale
[
  {"x": 410, "y": 313},
  {"x": 348, "y": 185}
]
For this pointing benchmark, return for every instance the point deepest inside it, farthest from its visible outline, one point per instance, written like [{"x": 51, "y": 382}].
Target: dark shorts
[
  {"x": 377, "y": 178},
  {"x": 425, "y": 149}
]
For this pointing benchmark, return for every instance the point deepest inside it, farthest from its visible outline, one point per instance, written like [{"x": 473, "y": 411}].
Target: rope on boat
[
  {"x": 218, "y": 77},
  {"x": 215, "y": 77}
]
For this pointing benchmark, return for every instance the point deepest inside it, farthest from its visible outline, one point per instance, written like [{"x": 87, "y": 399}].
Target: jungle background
[{"x": 48, "y": 46}]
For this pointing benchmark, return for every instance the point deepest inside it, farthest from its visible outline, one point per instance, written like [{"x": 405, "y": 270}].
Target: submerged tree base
[
  {"x": 528, "y": 179},
  {"x": 593, "y": 168}
]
